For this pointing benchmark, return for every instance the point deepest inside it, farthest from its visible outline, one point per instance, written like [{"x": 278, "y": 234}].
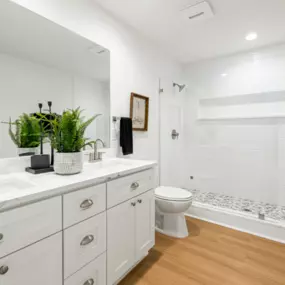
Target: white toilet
[{"x": 171, "y": 204}]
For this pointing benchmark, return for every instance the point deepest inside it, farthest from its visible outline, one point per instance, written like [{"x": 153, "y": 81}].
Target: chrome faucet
[{"x": 96, "y": 156}]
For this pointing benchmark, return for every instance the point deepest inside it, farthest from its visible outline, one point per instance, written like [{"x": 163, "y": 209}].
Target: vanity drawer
[
  {"x": 40, "y": 263},
  {"x": 93, "y": 273},
  {"x": 83, "y": 243},
  {"x": 26, "y": 225},
  {"x": 125, "y": 188},
  {"x": 83, "y": 204}
]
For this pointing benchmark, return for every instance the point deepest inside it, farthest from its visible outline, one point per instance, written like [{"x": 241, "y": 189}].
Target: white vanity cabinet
[
  {"x": 130, "y": 230},
  {"x": 91, "y": 236},
  {"x": 120, "y": 240},
  {"x": 144, "y": 224},
  {"x": 130, "y": 234}
]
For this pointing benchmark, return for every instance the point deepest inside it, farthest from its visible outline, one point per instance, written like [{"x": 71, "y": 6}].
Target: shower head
[{"x": 181, "y": 87}]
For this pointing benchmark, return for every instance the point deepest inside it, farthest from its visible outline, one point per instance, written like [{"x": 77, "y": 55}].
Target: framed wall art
[{"x": 139, "y": 112}]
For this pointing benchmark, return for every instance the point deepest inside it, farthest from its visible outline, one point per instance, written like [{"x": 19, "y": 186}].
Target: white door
[
  {"x": 40, "y": 263},
  {"x": 120, "y": 240},
  {"x": 172, "y": 156},
  {"x": 145, "y": 224}
]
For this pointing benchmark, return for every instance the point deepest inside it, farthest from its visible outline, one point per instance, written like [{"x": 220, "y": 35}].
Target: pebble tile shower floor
[{"x": 271, "y": 211}]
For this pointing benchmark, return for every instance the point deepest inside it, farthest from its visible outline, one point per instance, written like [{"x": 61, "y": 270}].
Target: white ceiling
[
  {"x": 26, "y": 35},
  {"x": 224, "y": 34}
]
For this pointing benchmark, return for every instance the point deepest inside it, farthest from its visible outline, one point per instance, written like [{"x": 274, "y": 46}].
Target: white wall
[
  {"x": 24, "y": 84},
  {"x": 242, "y": 157},
  {"x": 136, "y": 64}
]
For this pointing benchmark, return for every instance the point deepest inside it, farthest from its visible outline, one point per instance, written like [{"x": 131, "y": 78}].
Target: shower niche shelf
[{"x": 266, "y": 105}]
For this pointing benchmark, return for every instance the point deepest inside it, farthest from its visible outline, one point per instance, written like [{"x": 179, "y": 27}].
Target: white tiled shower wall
[{"x": 240, "y": 158}]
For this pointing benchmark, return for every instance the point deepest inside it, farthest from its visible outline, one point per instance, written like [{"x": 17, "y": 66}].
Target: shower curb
[{"x": 244, "y": 222}]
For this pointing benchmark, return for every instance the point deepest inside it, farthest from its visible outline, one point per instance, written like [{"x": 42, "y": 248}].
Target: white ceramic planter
[
  {"x": 68, "y": 163},
  {"x": 22, "y": 151}
]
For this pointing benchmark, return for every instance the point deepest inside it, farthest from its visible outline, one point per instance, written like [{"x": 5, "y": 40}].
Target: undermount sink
[
  {"x": 110, "y": 163},
  {"x": 9, "y": 184},
  {"x": 104, "y": 164}
]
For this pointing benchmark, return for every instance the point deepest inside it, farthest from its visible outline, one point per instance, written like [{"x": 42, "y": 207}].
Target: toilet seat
[{"x": 172, "y": 194}]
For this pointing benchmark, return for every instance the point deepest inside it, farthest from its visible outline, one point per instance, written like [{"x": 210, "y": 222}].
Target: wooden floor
[{"x": 211, "y": 255}]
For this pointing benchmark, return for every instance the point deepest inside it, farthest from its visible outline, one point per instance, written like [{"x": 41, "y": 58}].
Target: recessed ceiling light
[
  {"x": 224, "y": 74},
  {"x": 251, "y": 36}
]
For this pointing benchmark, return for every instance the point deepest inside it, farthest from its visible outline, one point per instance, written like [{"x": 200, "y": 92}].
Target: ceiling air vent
[{"x": 200, "y": 11}]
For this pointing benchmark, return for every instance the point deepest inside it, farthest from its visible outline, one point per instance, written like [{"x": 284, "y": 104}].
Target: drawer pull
[
  {"x": 4, "y": 269},
  {"x": 140, "y": 201},
  {"x": 1, "y": 237},
  {"x": 133, "y": 204},
  {"x": 135, "y": 185},
  {"x": 88, "y": 239},
  {"x": 86, "y": 204},
  {"x": 89, "y": 282}
]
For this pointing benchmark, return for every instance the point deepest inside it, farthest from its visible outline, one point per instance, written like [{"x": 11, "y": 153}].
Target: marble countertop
[{"x": 20, "y": 188}]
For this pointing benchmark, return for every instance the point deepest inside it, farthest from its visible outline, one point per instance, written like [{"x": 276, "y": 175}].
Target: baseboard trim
[{"x": 271, "y": 230}]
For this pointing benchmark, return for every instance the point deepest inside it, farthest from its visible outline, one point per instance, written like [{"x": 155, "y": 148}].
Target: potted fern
[
  {"x": 25, "y": 132},
  {"x": 67, "y": 138}
]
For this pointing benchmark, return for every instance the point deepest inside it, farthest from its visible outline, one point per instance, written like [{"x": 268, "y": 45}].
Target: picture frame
[{"x": 139, "y": 112}]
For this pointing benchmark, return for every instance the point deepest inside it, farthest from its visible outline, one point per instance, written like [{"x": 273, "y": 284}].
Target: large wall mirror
[{"x": 41, "y": 61}]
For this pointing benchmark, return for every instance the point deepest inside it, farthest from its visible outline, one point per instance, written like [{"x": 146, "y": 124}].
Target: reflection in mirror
[{"x": 40, "y": 62}]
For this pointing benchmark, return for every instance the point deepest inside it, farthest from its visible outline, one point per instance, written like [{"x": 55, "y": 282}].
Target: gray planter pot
[{"x": 68, "y": 163}]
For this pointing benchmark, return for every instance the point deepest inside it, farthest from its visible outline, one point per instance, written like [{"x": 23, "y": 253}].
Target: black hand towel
[{"x": 126, "y": 135}]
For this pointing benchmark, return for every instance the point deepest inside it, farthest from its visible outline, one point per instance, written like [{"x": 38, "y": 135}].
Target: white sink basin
[
  {"x": 109, "y": 164},
  {"x": 103, "y": 164},
  {"x": 9, "y": 184}
]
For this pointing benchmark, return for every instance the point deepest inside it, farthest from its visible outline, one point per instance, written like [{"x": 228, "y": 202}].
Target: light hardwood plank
[{"x": 211, "y": 255}]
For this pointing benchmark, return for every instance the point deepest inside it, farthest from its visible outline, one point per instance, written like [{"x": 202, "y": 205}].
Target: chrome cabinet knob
[
  {"x": 135, "y": 185},
  {"x": 86, "y": 240},
  {"x": 4, "y": 269},
  {"x": 89, "y": 282},
  {"x": 86, "y": 204},
  {"x": 140, "y": 201},
  {"x": 1, "y": 237},
  {"x": 133, "y": 204}
]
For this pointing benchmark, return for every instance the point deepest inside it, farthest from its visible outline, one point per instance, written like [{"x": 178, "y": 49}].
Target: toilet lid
[{"x": 172, "y": 193}]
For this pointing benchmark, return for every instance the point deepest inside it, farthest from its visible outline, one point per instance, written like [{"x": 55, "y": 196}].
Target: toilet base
[{"x": 173, "y": 225}]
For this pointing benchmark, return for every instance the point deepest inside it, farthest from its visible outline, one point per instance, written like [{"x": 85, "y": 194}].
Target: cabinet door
[
  {"x": 120, "y": 240},
  {"x": 40, "y": 263},
  {"x": 145, "y": 224}
]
